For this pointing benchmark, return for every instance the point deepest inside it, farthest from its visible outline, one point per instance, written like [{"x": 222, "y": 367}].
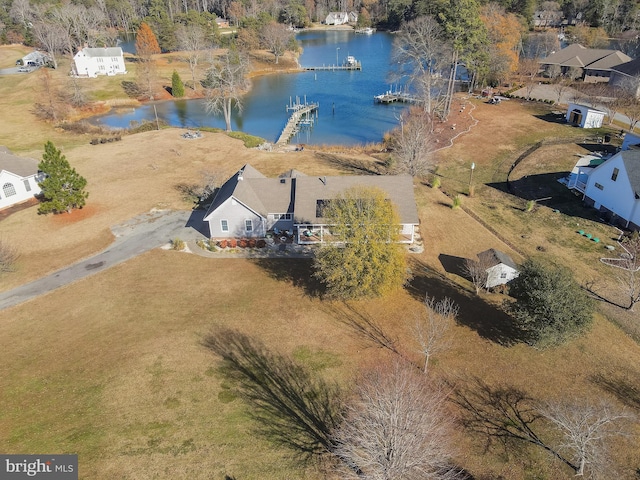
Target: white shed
[
  {"x": 584, "y": 117},
  {"x": 500, "y": 268}
]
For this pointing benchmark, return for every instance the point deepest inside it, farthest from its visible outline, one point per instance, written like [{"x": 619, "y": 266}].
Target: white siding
[
  {"x": 500, "y": 274},
  {"x": 616, "y": 196},
  {"x": 92, "y": 66},
  {"x": 10, "y": 183}
]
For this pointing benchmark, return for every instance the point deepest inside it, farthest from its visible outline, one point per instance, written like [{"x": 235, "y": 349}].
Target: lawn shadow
[
  {"x": 619, "y": 384},
  {"x": 553, "y": 117},
  {"x": 353, "y": 165},
  {"x": 294, "y": 271},
  {"x": 292, "y": 407},
  {"x": 488, "y": 320},
  {"x": 454, "y": 265}
]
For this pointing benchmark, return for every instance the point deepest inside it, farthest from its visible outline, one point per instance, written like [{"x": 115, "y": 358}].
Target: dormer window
[{"x": 614, "y": 175}]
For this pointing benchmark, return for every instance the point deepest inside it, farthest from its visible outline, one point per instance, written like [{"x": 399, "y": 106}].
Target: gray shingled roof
[
  {"x": 298, "y": 193},
  {"x": 311, "y": 189},
  {"x": 24, "y": 167},
  {"x": 631, "y": 68},
  {"x": 576, "y": 55},
  {"x": 631, "y": 159},
  {"x": 495, "y": 257},
  {"x": 103, "y": 52}
]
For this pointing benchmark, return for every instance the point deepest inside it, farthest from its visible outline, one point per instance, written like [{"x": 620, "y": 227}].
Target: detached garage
[{"x": 584, "y": 117}]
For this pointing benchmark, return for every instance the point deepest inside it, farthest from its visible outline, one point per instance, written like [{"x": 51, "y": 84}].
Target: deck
[
  {"x": 355, "y": 66},
  {"x": 302, "y": 115}
]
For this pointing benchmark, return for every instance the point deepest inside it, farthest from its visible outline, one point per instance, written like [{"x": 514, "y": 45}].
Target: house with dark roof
[
  {"x": 627, "y": 76},
  {"x": 19, "y": 178},
  {"x": 91, "y": 62},
  {"x": 613, "y": 188},
  {"x": 500, "y": 268},
  {"x": 593, "y": 64},
  {"x": 251, "y": 205}
]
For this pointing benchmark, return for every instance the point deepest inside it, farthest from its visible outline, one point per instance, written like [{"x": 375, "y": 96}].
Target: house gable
[
  {"x": 501, "y": 269},
  {"x": 614, "y": 187},
  {"x": 18, "y": 178},
  {"x": 91, "y": 62}
]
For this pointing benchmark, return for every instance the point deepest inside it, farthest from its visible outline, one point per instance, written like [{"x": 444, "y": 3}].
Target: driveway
[{"x": 136, "y": 236}]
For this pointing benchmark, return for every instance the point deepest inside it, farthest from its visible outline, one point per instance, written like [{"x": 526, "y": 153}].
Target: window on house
[
  {"x": 248, "y": 225},
  {"x": 8, "y": 189},
  {"x": 598, "y": 186},
  {"x": 281, "y": 216},
  {"x": 224, "y": 225},
  {"x": 27, "y": 185},
  {"x": 614, "y": 175}
]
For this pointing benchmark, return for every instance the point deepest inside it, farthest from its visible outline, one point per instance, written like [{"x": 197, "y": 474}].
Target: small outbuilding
[
  {"x": 584, "y": 117},
  {"x": 500, "y": 268}
]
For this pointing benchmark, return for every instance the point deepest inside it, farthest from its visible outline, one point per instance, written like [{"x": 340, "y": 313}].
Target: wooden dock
[
  {"x": 356, "y": 66},
  {"x": 391, "y": 97},
  {"x": 302, "y": 115}
]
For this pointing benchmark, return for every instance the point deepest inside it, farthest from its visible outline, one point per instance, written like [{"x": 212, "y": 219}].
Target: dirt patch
[{"x": 76, "y": 215}]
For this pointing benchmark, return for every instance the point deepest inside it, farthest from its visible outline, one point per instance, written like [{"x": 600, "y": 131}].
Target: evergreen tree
[
  {"x": 177, "y": 87},
  {"x": 63, "y": 187},
  {"x": 550, "y": 306}
]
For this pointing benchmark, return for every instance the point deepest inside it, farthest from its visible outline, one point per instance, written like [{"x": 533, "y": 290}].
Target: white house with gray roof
[
  {"x": 614, "y": 188},
  {"x": 252, "y": 205},
  {"x": 91, "y": 62},
  {"x": 19, "y": 178}
]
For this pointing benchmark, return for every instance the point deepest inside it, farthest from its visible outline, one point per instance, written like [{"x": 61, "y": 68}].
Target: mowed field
[{"x": 113, "y": 367}]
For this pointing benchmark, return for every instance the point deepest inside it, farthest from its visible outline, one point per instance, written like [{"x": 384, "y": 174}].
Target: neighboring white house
[
  {"x": 252, "y": 205},
  {"x": 337, "y": 18},
  {"x": 353, "y": 17},
  {"x": 501, "y": 269},
  {"x": 614, "y": 189},
  {"x": 18, "y": 178},
  {"x": 579, "y": 176},
  {"x": 584, "y": 117},
  {"x": 91, "y": 62}
]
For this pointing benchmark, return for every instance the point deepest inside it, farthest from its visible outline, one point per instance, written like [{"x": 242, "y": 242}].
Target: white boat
[
  {"x": 350, "y": 61},
  {"x": 365, "y": 31}
]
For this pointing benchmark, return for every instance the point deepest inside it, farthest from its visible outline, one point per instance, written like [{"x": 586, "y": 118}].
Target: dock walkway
[
  {"x": 355, "y": 66},
  {"x": 391, "y": 97},
  {"x": 302, "y": 113}
]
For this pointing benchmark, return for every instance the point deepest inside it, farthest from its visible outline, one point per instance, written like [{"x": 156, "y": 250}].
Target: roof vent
[{"x": 283, "y": 180}]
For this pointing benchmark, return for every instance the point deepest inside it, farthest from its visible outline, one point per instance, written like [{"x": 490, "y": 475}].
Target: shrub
[
  {"x": 435, "y": 182},
  {"x": 177, "y": 87},
  {"x": 530, "y": 205},
  {"x": 457, "y": 202},
  {"x": 233, "y": 243},
  {"x": 252, "y": 243},
  {"x": 177, "y": 244},
  {"x": 243, "y": 243},
  {"x": 223, "y": 243},
  {"x": 261, "y": 243}
]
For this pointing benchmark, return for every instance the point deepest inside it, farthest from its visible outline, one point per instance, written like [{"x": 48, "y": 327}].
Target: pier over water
[{"x": 303, "y": 115}]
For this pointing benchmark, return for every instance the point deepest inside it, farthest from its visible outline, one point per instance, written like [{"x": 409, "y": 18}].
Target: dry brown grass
[{"x": 111, "y": 367}]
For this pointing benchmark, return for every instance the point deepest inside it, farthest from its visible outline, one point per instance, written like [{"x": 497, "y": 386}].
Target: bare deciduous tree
[
  {"x": 586, "y": 431},
  {"x": 413, "y": 143},
  {"x": 629, "y": 274},
  {"x": 397, "y": 427},
  {"x": 528, "y": 69},
  {"x": 276, "y": 38},
  {"x": 51, "y": 37},
  {"x": 225, "y": 83},
  {"x": 8, "y": 257},
  {"x": 476, "y": 271},
  {"x": 419, "y": 49},
  {"x": 432, "y": 326},
  {"x": 193, "y": 40}
]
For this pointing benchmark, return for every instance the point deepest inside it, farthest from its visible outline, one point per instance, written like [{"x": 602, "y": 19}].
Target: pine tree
[
  {"x": 177, "y": 87},
  {"x": 63, "y": 187}
]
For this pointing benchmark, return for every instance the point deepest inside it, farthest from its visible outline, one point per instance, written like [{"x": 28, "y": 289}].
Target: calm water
[{"x": 347, "y": 114}]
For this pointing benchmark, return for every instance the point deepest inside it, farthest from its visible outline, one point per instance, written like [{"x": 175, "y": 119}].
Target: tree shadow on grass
[
  {"x": 624, "y": 385},
  {"x": 295, "y": 271},
  {"x": 453, "y": 264},
  {"x": 489, "y": 321},
  {"x": 291, "y": 406}
]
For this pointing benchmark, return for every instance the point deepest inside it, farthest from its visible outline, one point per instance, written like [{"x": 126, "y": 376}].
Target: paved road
[{"x": 138, "y": 235}]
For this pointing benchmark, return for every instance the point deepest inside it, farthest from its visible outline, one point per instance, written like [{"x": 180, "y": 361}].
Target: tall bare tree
[
  {"x": 586, "y": 433},
  {"x": 193, "y": 40},
  {"x": 430, "y": 330},
  {"x": 396, "y": 427},
  {"x": 225, "y": 83},
  {"x": 528, "y": 69},
  {"x": 420, "y": 51},
  {"x": 276, "y": 38},
  {"x": 629, "y": 274},
  {"x": 413, "y": 144},
  {"x": 52, "y": 37},
  {"x": 476, "y": 271}
]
